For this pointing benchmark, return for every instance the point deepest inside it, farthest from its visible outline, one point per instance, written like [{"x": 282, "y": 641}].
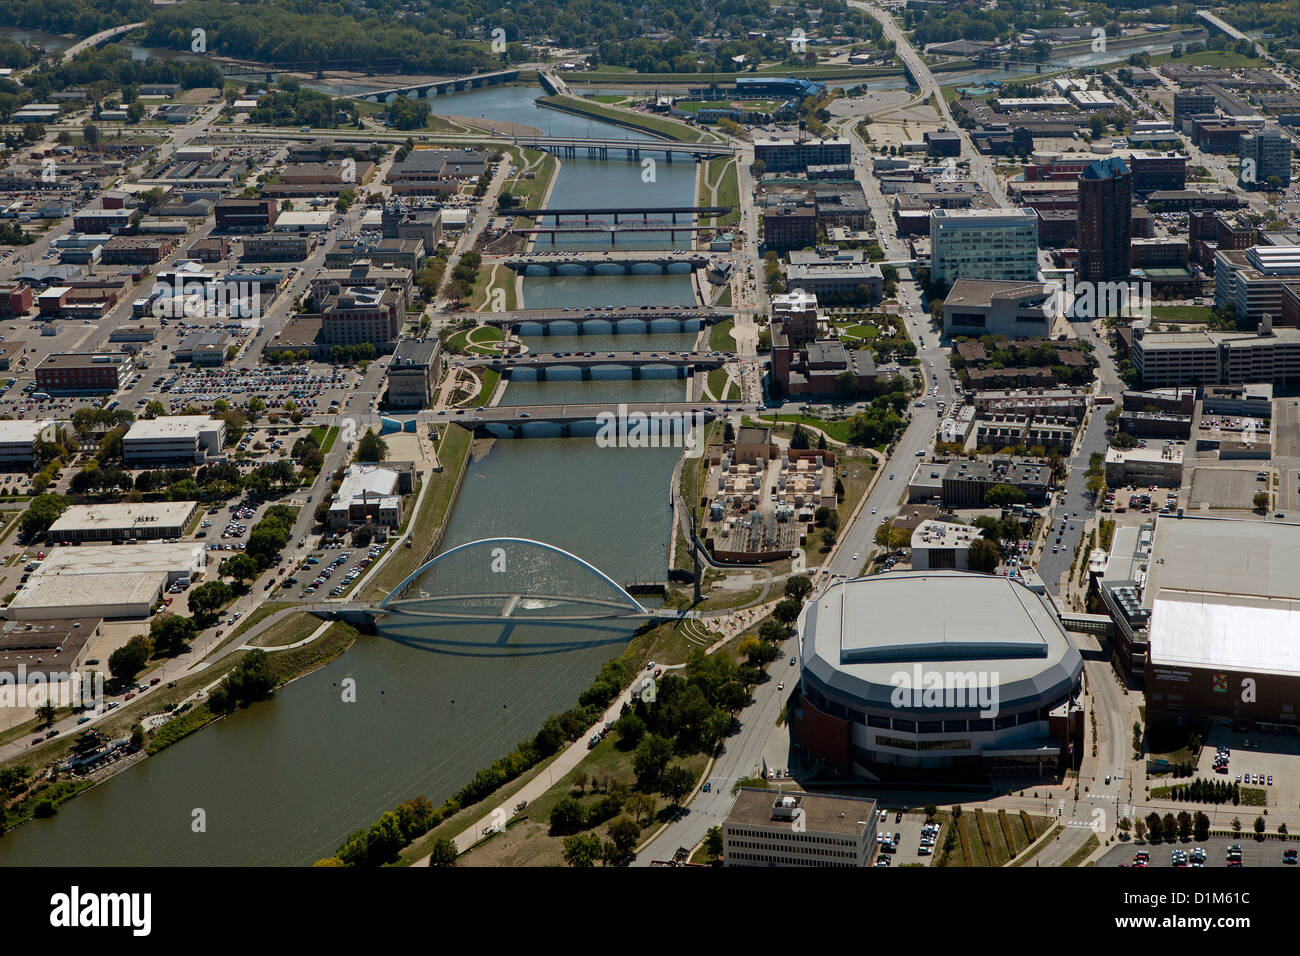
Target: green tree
[
  {"x": 443, "y": 852},
  {"x": 983, "y": 555},
  {"x": 172, "y": 633},
  {"x": 209, "y": 598},
  {"x": 129, "y": 659},
  {"x": 45, "y": 715},
  {"x": 713, "y": 843},
  {"x": 650, "y": 761},
  {"x": 371, "y": 448},
  {"x": 624, "y": 832},
  {"x": 582, "y": 850},
  {"x": 41, "y": 513},
  {"x": 798, "y": 587},
  {"x": 1260, "y": 500},
  {"x": 241, "y": 567},
  {"x": 676, "y": 783},
  {"x": 1002, "y": 494},
  {"x": 787, "y": 610}
]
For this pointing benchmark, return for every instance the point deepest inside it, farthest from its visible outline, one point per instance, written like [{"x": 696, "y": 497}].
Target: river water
[{"x": 285, "y": 781}]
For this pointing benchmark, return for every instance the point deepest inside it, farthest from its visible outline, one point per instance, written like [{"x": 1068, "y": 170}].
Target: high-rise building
[
  {"x": 1265, "y": 155},
  {"x": 1192, "y": 103},
  {"x": 1105, "y": 220},
  {"x": 983, "y": 244}
]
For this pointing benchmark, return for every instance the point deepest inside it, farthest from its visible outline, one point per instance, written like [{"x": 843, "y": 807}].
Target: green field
[
  {"x": 720, "y": 339},
  {"x": 476, "y": 340},
  {"x": 1212, "y": 58},
  {"x": 655, "y": 124},
  {"x": 1181, "y": 313}
]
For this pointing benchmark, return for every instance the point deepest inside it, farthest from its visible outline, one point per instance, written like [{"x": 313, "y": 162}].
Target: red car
[{"x": 129, "y": 697}]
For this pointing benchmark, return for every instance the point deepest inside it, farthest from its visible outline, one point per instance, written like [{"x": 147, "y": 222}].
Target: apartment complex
[{"x": 1105, "y": 220}]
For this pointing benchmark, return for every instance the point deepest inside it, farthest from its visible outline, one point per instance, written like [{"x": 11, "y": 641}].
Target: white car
[{"x": 856, "y": 556}]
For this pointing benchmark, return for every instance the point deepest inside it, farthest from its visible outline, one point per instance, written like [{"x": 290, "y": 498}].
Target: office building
[
  {"x": 1265, "y": 160},
  {"x": 1269, "y": 355},
  {"x": 788, "y": 155},
  {"x": 83, "y": 373},
  {"x": 1016, "y": 310},
  {"x": 19, "y": 438},
  {"x": 173, "y": 439},
  {"x": 770, "y": 828},
  {"x": 413, "y": 373},
  {"x": 983, "y": 244},
  {"x": 1105, "y": 228}
]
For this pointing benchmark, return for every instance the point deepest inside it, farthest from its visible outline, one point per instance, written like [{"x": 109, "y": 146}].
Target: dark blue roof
[{"x": 1105, "y": 169}]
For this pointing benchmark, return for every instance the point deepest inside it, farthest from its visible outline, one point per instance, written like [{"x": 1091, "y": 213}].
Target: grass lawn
[
  {"x": 720, "y": 339},
  {"x": 655, "y": 124},
  {"x": 839, "y": 431},
  {"x": 1219, "y": 58},
  {"x": 1181, "y": 313},
  {"x": 718, "y": 382},
  {"x": 488, "y": 379},
  {"x": 476, "y": 340},
  {"x": 325, "y": 437},
  {"x": 864, "y": 333},
  {"x": 295, "y": 627},
  {"x": 990, "y": 838},
  {"x": 1081, "y": 854},
  {"x": 452, "y": 452}
]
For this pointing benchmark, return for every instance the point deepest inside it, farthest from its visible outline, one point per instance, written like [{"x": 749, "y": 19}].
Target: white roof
[
  {"x": 146, "y": 557},
  {"x": 14, "y": 431},
  {"x": 171, "y": 426},
  {"x": 68, "y": 594},
  {"x": 371, "y": 481},
  {"x": 124, "y": 515},
  {"x": 1225, "y": 631}
]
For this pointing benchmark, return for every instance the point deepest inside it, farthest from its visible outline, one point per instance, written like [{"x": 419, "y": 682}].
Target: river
[{"x": 285, "y": 781}]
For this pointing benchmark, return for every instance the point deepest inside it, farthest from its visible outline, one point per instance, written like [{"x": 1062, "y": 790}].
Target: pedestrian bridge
[{"x": 504, "y": 580}]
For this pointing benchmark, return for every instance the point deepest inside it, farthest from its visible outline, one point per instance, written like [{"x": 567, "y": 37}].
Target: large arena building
[{"x": 909, "y": 672}]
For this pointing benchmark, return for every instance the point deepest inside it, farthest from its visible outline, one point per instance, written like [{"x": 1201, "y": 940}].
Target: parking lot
[
  {"x": 331, "y": 571},
  {"x": 1253, "y": 852},
  {"x": 909, "y": 843},
  {"x": 1261, "y": 756},
  {"x": 1224, "y": 487}
]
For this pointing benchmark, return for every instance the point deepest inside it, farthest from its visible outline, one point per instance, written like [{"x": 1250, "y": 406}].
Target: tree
[
  {"x": 630, "y": 729},
  {"x": 787, "y": 611},
  {"x": 154, "y": 409},
  {"x": 584, "y": 849},
  {"x": 798, "y": 587},
  {"x": 1259, "y": 826},
  {"x": 172, "y": 633},
  {"x": 241, "y": 567},
  {"x": 1002, "y": 494},
  {"x": 41, "y": 513},
  {"x": 45, "y": 715},
  {"x": 799, "y": 440},
  {"x": 713, "y": 843},
  {"x": 676, "y": 783},
  {"x": 652, "y": 756},
  {"x": 1154, "y": 827},
  {"x": 371, "y": 447},
  {"x": 624, "y": 832},
  {"x": 1184, "y": 825},
  {"x": 983, "y": 555},
  {"x": 1201, "y": 827},
  {"x": 1260, "y": 501},
  {"x": 129, "y": 659},
  {"x": 1140, "y": 829},
  {"x": 640, "y": 805},
  {"x": 209, "y": 598},
  {"x": 90, "y": 133},
  {"x": 443, "y": 852}
]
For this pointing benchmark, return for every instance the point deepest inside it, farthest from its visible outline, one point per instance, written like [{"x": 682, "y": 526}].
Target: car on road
[
  {"x": 792, "y": 660},
  {"x": 708, "y": 785},
  {"x": 780, "y": 685}
]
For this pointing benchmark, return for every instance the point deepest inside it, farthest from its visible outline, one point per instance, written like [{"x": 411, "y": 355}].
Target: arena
[{"x": 908, "y": 672}]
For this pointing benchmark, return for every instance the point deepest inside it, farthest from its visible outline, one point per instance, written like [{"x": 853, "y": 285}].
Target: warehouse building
[
  {"x": 174, "y": 439},
  {"x": 124, "y": 521},
  {"x": 937, "y": 671},
  {"x": 126, "y": 581}
]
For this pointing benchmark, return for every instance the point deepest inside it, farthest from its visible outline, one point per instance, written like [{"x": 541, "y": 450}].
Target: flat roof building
[
  {"x": 124, "y": 521},
  {"x": 18, "y": 440},
  {"x": 109, "y": 582},
  {"x": 187, "y": 439},
  {"x": 769, "y": 828},
  {"x": 1017, "y": 310},
  {"x": 923, "y": 670}
]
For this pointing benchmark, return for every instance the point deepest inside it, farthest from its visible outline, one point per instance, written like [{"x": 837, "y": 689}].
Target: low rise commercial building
[
  {"x": 173, "y": 439},
  {"x": 83, "y": 373},
  {"x": 19, "y": 438},
  {"x": 1158, "y": 464},
  {"x": 1016, "y": 310},
  {"x": 942, "y": 546},
  {"x": 769, "y": 828},
  {"x": 413, "y": 373},
  {"x": 123, "y": 522},
  {"x": 372, "y": 494},
  {"x": 124, "y": 581}
]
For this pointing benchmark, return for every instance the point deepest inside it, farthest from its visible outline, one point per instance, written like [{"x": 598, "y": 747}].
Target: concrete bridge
[
  {"x": 683, "y": 362},
  {"x": 599, "y": 213},
  {"x": 589, "y": 262},
  {"x": 599, "y": 148},
  {"x": 439, "y": 87},
  {"x": 515, "y": 420},
  {"x": 606, "y": 321}
]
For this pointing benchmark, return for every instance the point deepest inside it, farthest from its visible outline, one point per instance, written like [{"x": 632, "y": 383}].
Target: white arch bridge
[{"x": 515, "y": 580}]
